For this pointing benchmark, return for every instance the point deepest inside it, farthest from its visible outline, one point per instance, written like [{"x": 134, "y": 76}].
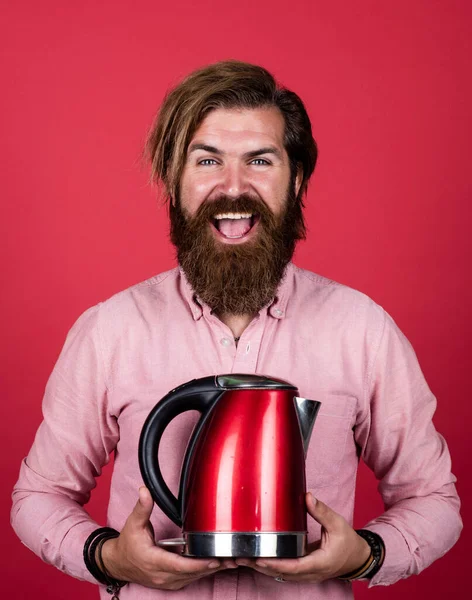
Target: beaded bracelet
[{"x": 93, "y": 555}]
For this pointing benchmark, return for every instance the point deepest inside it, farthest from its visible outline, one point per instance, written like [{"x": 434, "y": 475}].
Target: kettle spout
[{"x": 307, "y": 411}]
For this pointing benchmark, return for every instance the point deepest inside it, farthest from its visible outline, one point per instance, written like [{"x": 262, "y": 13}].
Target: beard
[{"x": 237, "y": 278}]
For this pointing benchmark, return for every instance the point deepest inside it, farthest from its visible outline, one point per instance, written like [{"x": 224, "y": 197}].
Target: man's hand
[
  {"x": 339, "y": 551},
  {"x": 134, "y": 557}
]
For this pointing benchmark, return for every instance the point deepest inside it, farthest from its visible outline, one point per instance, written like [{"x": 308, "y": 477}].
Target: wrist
[
  {"x": 107, "y": 562},
  {"x": 94, "y": 560},
  {"x": 361, "y": 558},
  {"x": 374, "y": 561},
  {"x": 363, "y": 551}
]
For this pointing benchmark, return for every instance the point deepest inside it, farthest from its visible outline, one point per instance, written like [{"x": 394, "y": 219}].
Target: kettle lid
[{"x": 244, "y": 380}]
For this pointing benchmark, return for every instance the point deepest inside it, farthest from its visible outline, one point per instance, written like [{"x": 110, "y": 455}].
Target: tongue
[{"x": 234, "y": 227}]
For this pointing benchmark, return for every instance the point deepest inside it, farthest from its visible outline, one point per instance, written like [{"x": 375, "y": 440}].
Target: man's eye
[
  {"x": 260, "y": 161},
  {"x": 207, "y": 161}
]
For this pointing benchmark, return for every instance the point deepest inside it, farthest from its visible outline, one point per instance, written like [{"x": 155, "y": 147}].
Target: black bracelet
[
  {"x": 92, "y": 551},
  {"x": 377, "y": 548}
]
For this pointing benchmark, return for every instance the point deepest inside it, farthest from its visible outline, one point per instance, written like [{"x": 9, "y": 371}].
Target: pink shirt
[{"x": 333, "y": 342}]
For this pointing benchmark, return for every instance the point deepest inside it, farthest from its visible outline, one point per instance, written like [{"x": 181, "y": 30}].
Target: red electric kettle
[{"x": 242, "y": 485}]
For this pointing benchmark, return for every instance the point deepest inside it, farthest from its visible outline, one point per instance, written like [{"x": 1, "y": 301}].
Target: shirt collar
[
  {"x": 190, "y": 296},
  {"x": 277, "y": 308}
]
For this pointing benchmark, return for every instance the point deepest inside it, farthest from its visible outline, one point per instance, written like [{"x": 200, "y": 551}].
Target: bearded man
[{"x": 235, "y": 153}]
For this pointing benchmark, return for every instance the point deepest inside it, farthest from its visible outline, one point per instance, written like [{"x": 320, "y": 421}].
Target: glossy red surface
[{"x": 248, "y": 467}]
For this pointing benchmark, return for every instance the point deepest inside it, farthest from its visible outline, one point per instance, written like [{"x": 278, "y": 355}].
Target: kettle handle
[{"x": 176, "y": 402}]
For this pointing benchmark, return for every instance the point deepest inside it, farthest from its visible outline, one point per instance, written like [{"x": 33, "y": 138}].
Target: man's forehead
[{"x": 243, "y": 125}]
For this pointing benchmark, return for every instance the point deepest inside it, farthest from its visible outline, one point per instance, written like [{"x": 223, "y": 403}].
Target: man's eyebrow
[
  {"x": 252, "y": 154},
  {"x": 205, "y": 147},
  {"x": 266, "y": 150}
]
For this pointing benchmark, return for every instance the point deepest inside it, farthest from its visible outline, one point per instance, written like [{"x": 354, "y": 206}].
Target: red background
[{"x": 388, "y": 87}]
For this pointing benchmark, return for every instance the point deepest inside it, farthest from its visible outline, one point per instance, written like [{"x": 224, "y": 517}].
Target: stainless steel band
[{"x": 290, "y": 544}]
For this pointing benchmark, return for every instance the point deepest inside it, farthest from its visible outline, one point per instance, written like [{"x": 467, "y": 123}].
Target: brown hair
[{"x": 225, "y": 84}]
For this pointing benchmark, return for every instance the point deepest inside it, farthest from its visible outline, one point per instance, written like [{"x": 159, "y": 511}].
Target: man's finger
[
  {"x": 279, "y": 570},
  {"x": 323, "y": 514},
  {"x": 176, "y": 563},
  {"x": 194, "y": 576},
  {"x": 274, "y": 566},
  {"x": 142, "y": 509},
  {"x": 300, "y": 577},
  {"x": 309, "y": 564}
]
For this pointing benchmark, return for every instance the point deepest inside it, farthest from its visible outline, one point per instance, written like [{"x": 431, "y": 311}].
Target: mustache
[{"x": 241, "y": 204}]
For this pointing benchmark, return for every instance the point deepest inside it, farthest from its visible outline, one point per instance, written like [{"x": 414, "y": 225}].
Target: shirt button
[
  {"x": 278, "y": 312},
  {"x": 225, "y": 342}
]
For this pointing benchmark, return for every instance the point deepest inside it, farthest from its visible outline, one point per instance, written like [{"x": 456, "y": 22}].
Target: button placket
[
  {"x": 224, "y": 346},
  {"x": 248, "y": 348}
]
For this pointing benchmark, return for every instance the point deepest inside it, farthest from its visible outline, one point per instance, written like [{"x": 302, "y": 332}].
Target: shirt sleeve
[
  {"x": 410, "y": 459},
  {"x": 72, "y": 444}
]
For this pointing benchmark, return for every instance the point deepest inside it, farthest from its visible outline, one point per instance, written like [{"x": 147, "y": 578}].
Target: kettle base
[{"x": 290, "y": 544}]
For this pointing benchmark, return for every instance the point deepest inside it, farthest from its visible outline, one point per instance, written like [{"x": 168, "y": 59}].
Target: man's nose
[{"x": 234, "y": 181}]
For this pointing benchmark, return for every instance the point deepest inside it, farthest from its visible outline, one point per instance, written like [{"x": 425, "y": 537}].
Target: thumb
[
  {"x": 143, "y": 508},
  {"x": 322, "y": 513}
]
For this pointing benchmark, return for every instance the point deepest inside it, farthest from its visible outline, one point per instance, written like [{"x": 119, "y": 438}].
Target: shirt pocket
[{"x": 332, "y": 432}]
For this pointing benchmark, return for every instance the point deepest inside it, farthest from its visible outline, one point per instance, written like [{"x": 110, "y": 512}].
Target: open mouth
[{"x": 235, "y": 226}]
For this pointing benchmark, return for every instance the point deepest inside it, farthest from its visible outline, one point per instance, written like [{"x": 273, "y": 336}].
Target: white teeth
[{"x": 233, "y": 216}]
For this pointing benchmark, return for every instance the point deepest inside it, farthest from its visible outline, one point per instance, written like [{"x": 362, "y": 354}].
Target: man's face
[
  {"x": 236, "y": 219},
  {"x": 233, "y": 153}
]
